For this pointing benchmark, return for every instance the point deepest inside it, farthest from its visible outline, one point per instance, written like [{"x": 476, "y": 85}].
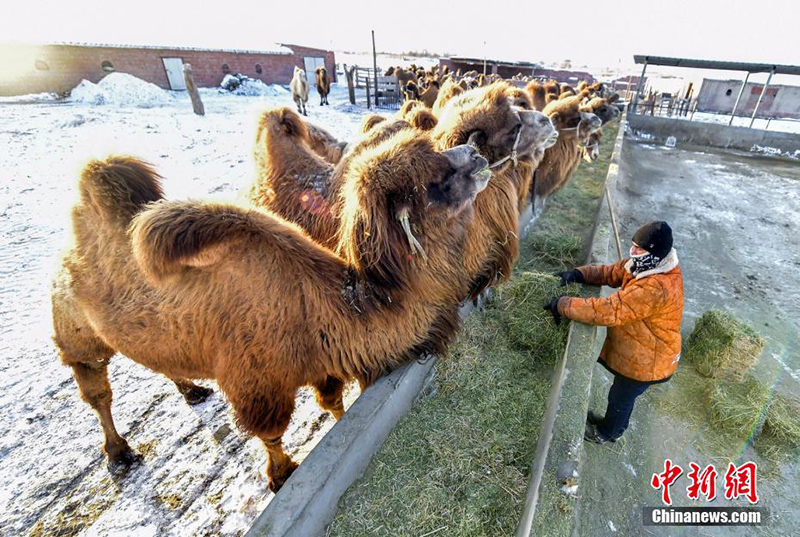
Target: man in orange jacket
[{"x": 643, "y": 342}]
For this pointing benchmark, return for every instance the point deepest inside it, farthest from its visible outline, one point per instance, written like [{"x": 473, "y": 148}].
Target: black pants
[{"x": 621, "y": 398}]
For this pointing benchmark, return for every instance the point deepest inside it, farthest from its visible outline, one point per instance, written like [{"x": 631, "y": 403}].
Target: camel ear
[
  {"x": 554, "y": 117},
  {"x": 477, "y": 138}
]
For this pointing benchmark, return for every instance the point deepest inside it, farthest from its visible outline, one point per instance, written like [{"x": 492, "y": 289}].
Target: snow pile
[
  {"x": 240, "y": 84},
  {"x": 121, "y": 89}
]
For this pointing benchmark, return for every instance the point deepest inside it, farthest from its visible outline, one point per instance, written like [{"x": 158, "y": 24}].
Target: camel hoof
[
  {"x": 122, "y": 462},
  {"x": 198, "y": 395},
  {"x": 276, "y": 482}
]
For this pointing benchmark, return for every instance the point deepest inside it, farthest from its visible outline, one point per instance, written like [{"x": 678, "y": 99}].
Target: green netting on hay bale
[
  {"x": 736, "y": 407},
  {"x": 529, "y": 326},
  {"x": 723, "y": 347},
  {"x": 783, "y": 420}
]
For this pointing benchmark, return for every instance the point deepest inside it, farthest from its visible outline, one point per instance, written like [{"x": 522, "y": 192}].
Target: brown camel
[
  {"x": 449, "y": 89},
  {"x": 561, "y": 160},
  {"x": 323, "y": 85},
  {"x": 485, "y": 117},
  {"x": 204, "y": 290},
  {"x": 538, "y": 95},
  {"x": 602, "y": 108},
  {"x": 325, "y": 144}
]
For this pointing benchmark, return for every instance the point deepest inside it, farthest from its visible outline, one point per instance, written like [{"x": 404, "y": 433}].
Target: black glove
[
  {"x": 569, "y": 276},
  {"x": 552, "y": 307}
]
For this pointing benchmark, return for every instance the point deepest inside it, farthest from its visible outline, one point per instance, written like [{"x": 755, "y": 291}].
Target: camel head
[
  {"x": 591, "y": 151},
  {"x": 402, "y": 200},
  {"x": 487, "y": 119},
  {"x": 567, "y": 118},
  {"x": 301, "y": 73},
  {"x": 602, "y": 108}
]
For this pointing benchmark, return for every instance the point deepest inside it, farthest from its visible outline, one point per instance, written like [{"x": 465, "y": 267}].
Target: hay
[
  {"x": 529, "y": 326},
  {"x": 736, "y": 407},
  {"x": 783, "y": 420},
  {"x": 723, "y": 347}
]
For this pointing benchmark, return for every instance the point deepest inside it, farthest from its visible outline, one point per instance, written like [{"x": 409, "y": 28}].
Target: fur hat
[{"x": 655, "y": 237}]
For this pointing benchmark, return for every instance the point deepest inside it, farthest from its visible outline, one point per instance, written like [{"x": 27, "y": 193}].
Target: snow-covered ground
[{"x": 200, "y": 475}]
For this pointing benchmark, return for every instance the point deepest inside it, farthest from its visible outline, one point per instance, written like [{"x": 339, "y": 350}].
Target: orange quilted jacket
[{"x": 643, "y": 318}]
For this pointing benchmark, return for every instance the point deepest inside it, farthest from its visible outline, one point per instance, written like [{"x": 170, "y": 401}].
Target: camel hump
[
  {"x": 170, "y": 235},
  {"x": 423, "y": 119},
  {"x": 118, "y": 187}
]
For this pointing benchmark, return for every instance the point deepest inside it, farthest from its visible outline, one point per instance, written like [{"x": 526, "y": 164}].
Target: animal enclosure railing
[{"x": 381, "y": 91}]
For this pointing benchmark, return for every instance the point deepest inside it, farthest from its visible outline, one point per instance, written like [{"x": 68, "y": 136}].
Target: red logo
[
  {"x": 666, "y": 479},
  {"x": 741, "y": 481},
  {"x": 704, "y": 482}
]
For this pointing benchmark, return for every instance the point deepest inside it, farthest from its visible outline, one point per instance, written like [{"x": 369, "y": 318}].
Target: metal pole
[
  {"x": 639, "y": 87},
  {"x": 375, "y": 67},
  {"x": 738, "y": 98},
  {"x": 614, "y": 223},
  {"x": 758, "y": 103},
  {"x": 484, "y": 58}
]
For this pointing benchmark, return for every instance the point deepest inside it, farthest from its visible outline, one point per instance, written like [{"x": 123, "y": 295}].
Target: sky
[{"x": 595, "y": 33}]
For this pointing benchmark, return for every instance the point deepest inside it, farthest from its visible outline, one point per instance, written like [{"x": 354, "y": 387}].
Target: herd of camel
[{"x": 341, "y": 262}]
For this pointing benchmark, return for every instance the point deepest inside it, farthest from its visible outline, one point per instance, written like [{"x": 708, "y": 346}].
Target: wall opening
[
  {"x": 226, "y": 69},
  {"x": 107, "y": 66},
  {"x": 729, "y": 92},
  {"x": 42, "y": 65},
  {"x": 259, "y": 69}
]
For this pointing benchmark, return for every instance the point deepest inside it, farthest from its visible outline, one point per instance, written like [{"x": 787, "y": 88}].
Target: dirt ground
[
  {"x": 200, "y": 475},
  {"x": 735, "y": 218}
]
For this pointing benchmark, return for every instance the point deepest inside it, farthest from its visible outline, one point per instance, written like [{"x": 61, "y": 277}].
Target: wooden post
[
  {"x": 351, "y": 90},
  {"x": 375, "y": 67},
  {"x": 188, "y": 77}
]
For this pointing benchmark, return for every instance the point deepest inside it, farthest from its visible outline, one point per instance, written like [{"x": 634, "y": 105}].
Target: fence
[{"x": 380, "y": 91}]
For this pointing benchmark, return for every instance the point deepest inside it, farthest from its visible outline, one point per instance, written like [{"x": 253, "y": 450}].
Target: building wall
[
  {"x": 719, "y": 96},
  {"x": 67, "y": 65}
]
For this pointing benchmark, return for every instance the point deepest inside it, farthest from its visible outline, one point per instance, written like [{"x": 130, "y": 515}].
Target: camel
[
  {"x": 426, "y": 97},
  {"x": 323, "y": 86},
  {"x": 485, "y": 118},
  {"x": 299, "y": 88},
  {"x": 561, "y": 160},
  {"x": 194, "y": 289}
]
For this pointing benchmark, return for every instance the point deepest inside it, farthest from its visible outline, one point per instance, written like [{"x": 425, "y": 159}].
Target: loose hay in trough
[
  {"x": 736, "y": 407},
  {"x": 723, "y": 347},
  {"x": 529, "y": 326}
]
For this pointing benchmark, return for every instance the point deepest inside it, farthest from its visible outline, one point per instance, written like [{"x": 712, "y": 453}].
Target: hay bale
[
  {"x": 783, "y": 420},
  {"x": 736, "y": 407},
  {"x": 723, "y": 347},
  {"x": 529, "y": 326}
]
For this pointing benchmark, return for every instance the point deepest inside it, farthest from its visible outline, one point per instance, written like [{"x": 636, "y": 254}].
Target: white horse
[{"x": 299, "y": 87}]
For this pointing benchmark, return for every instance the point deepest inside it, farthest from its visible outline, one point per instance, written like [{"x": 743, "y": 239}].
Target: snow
[
  {"x": 239, "y": 84},
  {"x": 121, "y": 89},
  {"x": 200, "y": 475}
]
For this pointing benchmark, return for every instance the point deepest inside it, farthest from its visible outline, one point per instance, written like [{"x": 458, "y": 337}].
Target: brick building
[{"x": 60, "y": 67}]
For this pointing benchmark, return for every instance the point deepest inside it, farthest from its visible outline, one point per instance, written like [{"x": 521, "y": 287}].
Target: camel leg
[
  {"x": 92, "y": 379},
  {"x": 329, "y": 396},
  {"x": 193, "y": 393},
  {"x": 265, "y": 413}
]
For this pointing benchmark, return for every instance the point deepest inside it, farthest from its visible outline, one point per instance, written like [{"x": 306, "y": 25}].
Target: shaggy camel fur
[
  {"x": 323, "y": 85},
  {"x": 485, "y": 118},
  {"x": 449, "y": 89},
  {"x": 538, "y": 95},
  {"x": 204, "y": 290},
  {"x": 561, "y": 160},
  {"x": 299, "y": 88},
  {"x": 325, "y": 144}
]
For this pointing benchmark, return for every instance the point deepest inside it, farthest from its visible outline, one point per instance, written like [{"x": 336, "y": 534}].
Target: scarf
[{"x": 643, "y": 262}]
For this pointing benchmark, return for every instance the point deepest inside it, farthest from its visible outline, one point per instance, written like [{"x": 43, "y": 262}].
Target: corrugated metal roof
[{"x": 720, "y": 65}]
